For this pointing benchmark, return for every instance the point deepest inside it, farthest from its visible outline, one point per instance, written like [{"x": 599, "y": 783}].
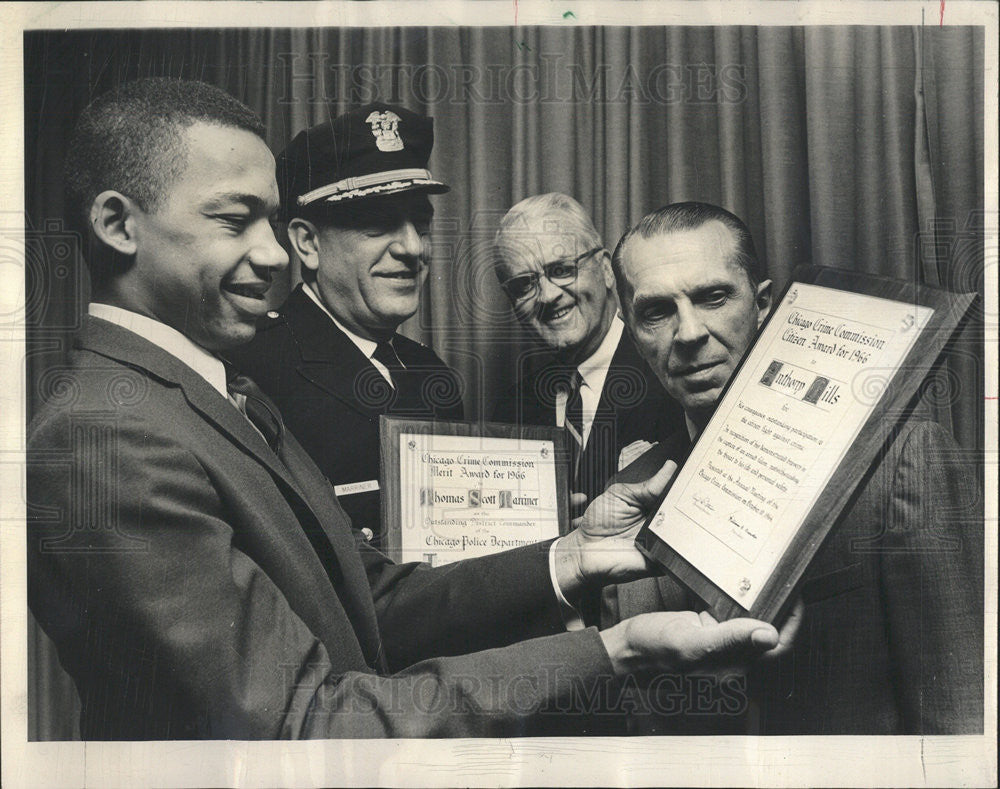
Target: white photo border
[{"x": 772, "y": 761}]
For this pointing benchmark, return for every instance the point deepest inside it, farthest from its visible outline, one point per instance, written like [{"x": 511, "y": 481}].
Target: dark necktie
[
  {"x": 408, "y": 400},
  {"x": 574, "y": 406},
  {"x": 255, "y": 407},
  {"x": 386, "y": 354},
  {"x": 573, "y": 422}
]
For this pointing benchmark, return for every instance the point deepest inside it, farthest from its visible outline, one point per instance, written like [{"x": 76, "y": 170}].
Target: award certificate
[{"x": 467, "y": 495}]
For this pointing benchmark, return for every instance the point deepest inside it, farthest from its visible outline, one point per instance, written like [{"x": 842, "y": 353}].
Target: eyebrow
[
  {"x": 716, "y": 285},
  {"x": 642, "y": 299},
  {"x": 253, "y": 202}
]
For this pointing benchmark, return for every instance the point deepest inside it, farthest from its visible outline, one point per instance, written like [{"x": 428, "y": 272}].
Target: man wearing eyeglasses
[{"x": 553, "y": 266}]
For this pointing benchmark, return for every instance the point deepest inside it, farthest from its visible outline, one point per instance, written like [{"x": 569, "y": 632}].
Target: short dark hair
[
  {"x": 690, "y": 216},
  {"x": 130, "y": 140}
]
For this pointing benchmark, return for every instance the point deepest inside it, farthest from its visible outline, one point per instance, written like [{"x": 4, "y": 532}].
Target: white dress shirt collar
[
  {"x": 367, "y": 347},
  {"x": 203, "y": 362},
  {"x": 594, "y": 372},
  {"x": 594, "y": 369}
]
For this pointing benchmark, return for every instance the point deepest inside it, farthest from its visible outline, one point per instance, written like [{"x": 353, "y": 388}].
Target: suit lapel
[
  {"x": 535, "y": 398},
  {"x": 329, "y": 360},
  {"x": 604, "y": 442},
  {"x": 626, "y": 371},
  {"x": 129, "y": 348}
]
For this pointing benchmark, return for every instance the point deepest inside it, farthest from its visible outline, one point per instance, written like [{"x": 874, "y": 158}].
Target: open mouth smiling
[
  {"x": 248, "y": 290},
  {"x": 557, "y": 314}
]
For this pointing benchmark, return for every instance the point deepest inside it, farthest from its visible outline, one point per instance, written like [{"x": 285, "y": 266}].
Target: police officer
[{"x": 354, "y": 192}]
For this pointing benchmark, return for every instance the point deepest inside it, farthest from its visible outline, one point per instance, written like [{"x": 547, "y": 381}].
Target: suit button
[{"x": 367, "y": 533}]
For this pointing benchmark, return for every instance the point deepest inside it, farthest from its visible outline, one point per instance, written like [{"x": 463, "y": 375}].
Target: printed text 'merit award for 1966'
[{"x": 458, "y": 490}]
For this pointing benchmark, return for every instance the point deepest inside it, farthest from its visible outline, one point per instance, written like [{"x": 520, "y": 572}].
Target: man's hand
[
  {"x": 789, "y": 628},
  {"x": 577, "y": 504},
  {"x": 684, "y": 641},
  {"x": 786, "y": 637},
  {"x": 601, "y": 549}
]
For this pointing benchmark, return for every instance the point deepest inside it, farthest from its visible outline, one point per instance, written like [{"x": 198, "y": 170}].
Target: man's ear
[
  {"x": 609, "y": 273},
  {"x": 624, "y": 319},
  {"x": 112, "y": 218},
  {"x": 763, "y": 300},
  {"x": 304, "y": 238}
]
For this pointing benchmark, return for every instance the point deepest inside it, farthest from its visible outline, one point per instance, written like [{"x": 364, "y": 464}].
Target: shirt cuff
[{"x": 570, "y": 616}]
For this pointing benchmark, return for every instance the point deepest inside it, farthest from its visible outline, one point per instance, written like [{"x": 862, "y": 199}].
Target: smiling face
[
  {"x": 571, "y": 319},
  {"x": 371, "y": 262},
  {"x": 691, "y": 310},
  {"x": 204, "y": 256}
]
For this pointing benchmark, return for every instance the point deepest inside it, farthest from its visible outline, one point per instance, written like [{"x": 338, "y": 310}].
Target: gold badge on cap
[{"x": 385, "y": 128}]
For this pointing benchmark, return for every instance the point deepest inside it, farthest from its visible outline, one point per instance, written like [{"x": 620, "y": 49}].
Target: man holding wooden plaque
[{"x": 892, "y": 639}]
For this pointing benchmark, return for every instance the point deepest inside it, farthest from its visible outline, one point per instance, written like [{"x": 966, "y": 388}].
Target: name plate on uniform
[
  {"x": 457, "y": 490},
  {"x": 833, "y": 369}
]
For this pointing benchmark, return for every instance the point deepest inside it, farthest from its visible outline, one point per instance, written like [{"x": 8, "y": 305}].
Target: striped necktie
[
  {"x": 573, "y": 419},
  {"x": 256, "y": 408}
]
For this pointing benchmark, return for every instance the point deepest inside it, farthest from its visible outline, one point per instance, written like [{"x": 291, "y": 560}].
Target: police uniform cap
[{"x": 370, "y": 151}]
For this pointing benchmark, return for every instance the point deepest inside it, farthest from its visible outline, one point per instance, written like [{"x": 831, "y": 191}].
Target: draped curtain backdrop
[{"x": 857, "y": 147}]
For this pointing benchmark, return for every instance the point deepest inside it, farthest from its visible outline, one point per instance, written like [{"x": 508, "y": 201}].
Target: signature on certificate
[{"x": 704, "y": 503}]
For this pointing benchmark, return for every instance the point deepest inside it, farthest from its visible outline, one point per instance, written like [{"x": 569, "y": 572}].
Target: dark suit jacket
[
  {"x": 197, "y": 586},
  {"x": 632, "y": 406},
  {"x": 331, "y": 395},
  {"x": 892, "y": 640}
]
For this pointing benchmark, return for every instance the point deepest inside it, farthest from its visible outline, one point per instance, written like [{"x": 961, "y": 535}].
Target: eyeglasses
[{"x": 559, "y": 272}]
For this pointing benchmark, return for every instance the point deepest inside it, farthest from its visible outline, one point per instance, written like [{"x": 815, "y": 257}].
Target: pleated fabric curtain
[{"x": 858, "y": 147}]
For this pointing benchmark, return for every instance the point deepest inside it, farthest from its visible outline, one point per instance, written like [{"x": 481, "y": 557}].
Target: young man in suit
[
  {"x": 556, "y": 273},
  {"x": 354, "y": 192},
  {"x": 192, "y": 564},
  {"x": 892, "y": 641}
]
